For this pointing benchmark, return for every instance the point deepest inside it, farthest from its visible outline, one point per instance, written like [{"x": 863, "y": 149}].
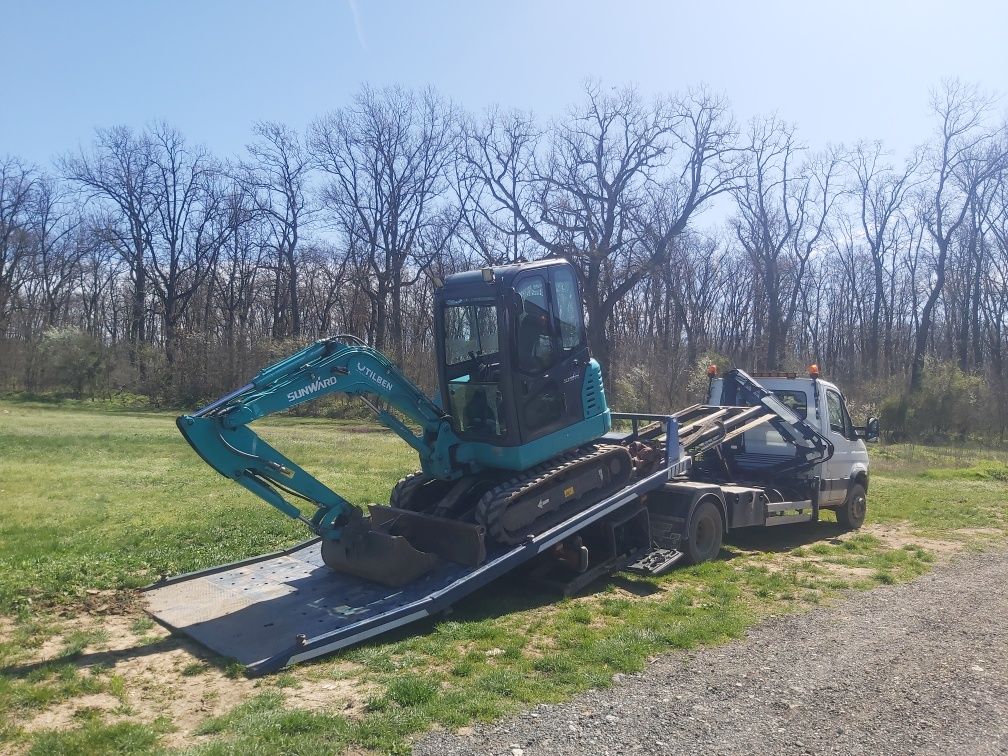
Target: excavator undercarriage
[{"x": 430, "y": 519}]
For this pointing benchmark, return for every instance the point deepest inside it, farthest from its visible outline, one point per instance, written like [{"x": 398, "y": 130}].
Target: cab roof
[{"x": 504, "y": 273}]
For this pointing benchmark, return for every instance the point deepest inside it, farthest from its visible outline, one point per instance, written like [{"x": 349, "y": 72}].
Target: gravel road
[{"x": 915, "y": 668}]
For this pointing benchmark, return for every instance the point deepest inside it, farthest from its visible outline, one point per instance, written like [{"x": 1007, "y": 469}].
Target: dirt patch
[
  {"x": 161, "y": 675},
  {"x": 347, "y": 697},
  {"x": 901, "y": 536},
  {"x": 896, "y": 536},
  {"x": 61, "y": 716}
]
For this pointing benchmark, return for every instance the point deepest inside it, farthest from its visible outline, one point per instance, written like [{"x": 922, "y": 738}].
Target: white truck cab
[{"x": 843, "y": 484}]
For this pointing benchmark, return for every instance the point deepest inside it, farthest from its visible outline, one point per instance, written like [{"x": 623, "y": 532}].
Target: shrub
[
  {"x": 72, "y": 357},
  {"x": 948, "y": 405}
]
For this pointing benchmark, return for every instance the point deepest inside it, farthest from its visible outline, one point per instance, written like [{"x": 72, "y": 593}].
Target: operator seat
[
  {"x": 535, "y": 347},
  {"x": 477, "y": 413}
]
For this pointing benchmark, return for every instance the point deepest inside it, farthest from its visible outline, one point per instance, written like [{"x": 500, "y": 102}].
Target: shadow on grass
[
  {"x": 783, "y": 538},
  {"x": 517, "y": 592},
  {"x": 85, "y": 660},
  {"x": 509, "y": 594}
]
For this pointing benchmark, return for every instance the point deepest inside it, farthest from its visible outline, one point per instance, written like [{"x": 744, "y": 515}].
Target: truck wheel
[
  {"x": 851, "y": 515},
  {"x": 703, "y": 537}
]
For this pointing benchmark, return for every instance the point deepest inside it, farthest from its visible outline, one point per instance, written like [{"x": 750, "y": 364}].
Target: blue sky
[{"x": 841, "y": 71}]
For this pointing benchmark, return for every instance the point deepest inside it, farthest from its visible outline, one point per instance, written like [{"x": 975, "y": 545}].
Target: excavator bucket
[{"x": 394, "y": 547}]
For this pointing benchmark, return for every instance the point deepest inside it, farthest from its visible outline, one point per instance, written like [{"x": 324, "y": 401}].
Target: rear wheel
[
  {"x": 852, "y": 514},
  {"x": 704, "y": 534}
]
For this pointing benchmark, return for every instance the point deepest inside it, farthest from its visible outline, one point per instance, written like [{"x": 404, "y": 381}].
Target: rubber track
[
  {"x": 494, "y": 502},
  {"x": 405, "y": 488}
]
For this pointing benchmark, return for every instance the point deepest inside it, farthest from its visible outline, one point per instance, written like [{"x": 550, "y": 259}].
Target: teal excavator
[{"x": 510, "y": 446}]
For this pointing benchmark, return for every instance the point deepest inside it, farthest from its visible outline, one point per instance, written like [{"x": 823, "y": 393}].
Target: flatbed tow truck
[{"x": 751, "y": 456}]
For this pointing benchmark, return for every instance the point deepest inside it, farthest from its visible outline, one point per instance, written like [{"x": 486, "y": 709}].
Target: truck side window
[{"x": 834, "y": 406}]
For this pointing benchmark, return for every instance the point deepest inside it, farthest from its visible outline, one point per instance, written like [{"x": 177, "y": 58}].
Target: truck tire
[
  {"x": 704, "y": 533},
  {"x": 851, "y": 515}
]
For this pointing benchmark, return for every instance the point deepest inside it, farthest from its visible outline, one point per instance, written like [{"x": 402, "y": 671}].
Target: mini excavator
[{"x": 511, "y": 445}]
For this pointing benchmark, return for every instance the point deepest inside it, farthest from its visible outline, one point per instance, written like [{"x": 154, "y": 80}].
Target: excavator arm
[{"x": 219, "y": 432}]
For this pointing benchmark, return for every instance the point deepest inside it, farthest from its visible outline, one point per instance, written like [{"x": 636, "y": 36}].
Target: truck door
[{"x": 840, "y": 430}]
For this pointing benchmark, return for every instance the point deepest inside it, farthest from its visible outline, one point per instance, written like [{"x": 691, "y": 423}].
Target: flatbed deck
[{"x": 271, "y": 611}]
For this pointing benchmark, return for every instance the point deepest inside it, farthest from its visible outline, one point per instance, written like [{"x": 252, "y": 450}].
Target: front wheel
[
  {"x": 851, "y": 515},
  {"x": 703, "y": 537}
]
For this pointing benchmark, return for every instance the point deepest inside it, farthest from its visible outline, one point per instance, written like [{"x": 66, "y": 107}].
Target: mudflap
[{"x": 394, "y": 547}]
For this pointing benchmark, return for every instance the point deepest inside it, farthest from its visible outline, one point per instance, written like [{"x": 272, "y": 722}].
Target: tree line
[{"x": 143, "y": 263}]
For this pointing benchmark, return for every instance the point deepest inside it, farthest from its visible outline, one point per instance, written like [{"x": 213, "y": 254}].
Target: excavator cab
[{"x": 513, "y": 365}]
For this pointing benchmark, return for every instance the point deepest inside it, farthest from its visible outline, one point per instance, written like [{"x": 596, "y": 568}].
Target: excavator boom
[{"x": 219, "y": 433}]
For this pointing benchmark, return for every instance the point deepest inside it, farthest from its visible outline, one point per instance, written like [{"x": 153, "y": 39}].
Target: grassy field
[{"x": 95, "y": 501}]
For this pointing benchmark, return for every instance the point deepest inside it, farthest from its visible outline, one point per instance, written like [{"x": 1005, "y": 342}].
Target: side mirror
[{"x": 870, "y": 431}]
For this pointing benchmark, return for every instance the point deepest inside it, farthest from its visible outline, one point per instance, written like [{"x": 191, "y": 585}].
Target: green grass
[
  {"x": 983, "y": 470},
  {"x": 96, "y": 498},
  {"x": 96, "y": 737}
]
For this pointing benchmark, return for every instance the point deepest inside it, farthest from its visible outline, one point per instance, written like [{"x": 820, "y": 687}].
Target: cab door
[
  {"x": 572, "y": 341},
  {"x": 840, "y": 430},
  {"x": 541, "y": 403}
]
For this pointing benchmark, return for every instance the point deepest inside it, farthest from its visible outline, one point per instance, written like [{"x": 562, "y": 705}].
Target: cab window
[
  {"x": 536, "y": 352},
  {"x": 567, "y": 309},
  {"x": 796, "y": 401},
  {"x": 475, "y": 401},
  {"x": 835, "y": 409},
  {"x": 470, "y": 330}
]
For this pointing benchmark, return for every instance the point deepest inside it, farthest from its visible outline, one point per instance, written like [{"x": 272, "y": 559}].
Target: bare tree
[
  {"x": 278, "y": 172},
  {"x": 963, "y": 156},
  {"x": 58, "y": 246},
  {"x": 239, "y": 265},
  {"x": 496, "y": 180},
  {"x": 621, "y": 181},
  {"x": 694, "y": 277},
  {"x": 119, "y": 172},
  {"x": 882, "y": 193},
  {"x": 186, "y": 232},
  {"x": 783, "y": 206},
  {"x": 386, "y": 156},
  {"x": 17, "y": 182}
]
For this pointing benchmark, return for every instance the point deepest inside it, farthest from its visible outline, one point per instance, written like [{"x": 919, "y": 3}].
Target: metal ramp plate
[{"x": 265, "y": 612}]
